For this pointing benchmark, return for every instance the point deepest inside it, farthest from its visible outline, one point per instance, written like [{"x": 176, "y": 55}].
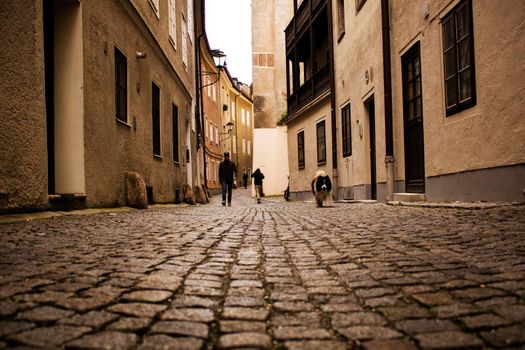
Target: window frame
[
  {"x": 340, "y": 20},
  {"x": 321, "y": 141},
  {"x": 156, "y": 120},
  {"x": 175, "y": 132},
  {"x": 459, "y": 105},
  {"x": 301, "y": 162},
  {"x": 121, "y": 116},
  {"x": 359, "y": 5},
  {"x": 346, "y": 130},
  {"x": 156, "y": 7},
  {"x": 172, "y": 23}
]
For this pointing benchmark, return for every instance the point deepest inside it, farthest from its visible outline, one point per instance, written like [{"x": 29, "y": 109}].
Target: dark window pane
[
  {"x": 462, "y": 21},
  {"x": 449, "y": 33},
  {"x": 452, "y": 92},
  {"x": 347, "y": 131},
  {"x": 417, "y": 86},
  {"x": 321, "y": 143},
  {"x": 155, "y": 114},
  {"x": 175, "y": 121},
  {"x": 417, "y": 68},
  {"x": 410, "y": 90},
  {"x": 450, "y": 63},
  {"x": 463, "y": 54},
  {"x": 300, "y": 149},
  {"x": 418, "y": 108},
  {"x": 464, "y": 85},
  {"x": 409, "y": 71},
  {"x": 121, "y": 103}
]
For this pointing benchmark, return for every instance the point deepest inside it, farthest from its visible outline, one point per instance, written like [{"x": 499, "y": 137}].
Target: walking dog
[{"x": 321, "y": 187}]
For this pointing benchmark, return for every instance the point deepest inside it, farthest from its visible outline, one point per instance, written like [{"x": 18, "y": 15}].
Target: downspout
[
  {"x": 198, "y": 88},
  {"x": 333, "y": 105},
  {"x": 387, "y": 80}
]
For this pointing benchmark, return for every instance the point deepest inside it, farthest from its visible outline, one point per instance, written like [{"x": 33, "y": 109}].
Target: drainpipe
[
  {"x": 387, "y": 80},
  {"x": 332, "y": 104},
  {"x": 198, "y": 90}
]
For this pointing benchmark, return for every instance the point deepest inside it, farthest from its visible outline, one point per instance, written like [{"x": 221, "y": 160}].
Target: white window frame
[
  {"x": 172, "y": 25},
  {"x": 184, "y": 39},
  {"x": 248, "y": 118},
  {"x": 155, "y": 6},
  {"x": 190, "y": 20}
]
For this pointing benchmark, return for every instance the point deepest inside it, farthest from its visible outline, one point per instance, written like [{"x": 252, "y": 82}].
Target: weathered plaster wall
[
  {"x": 23, "y": 155},
  {"x": 300, "y": 179},
  {"x": 490, "y": 134},
  {"x": 112, "y": 147},
  {"x": 362, "y": 42}
]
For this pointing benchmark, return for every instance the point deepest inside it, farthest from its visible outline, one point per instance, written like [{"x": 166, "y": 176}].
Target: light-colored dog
[{"x": 321, "y": 187}]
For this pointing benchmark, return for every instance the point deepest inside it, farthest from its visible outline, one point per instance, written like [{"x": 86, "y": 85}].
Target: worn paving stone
[
  {"x": 448, "y": 340},
  {"x": 193, "y": 329},
  {"x": 155, "y": 342},
  {"x": 187, "y": 277},
  {"x": 49, "y": 337},
  {"x": 106, "y": 340},
  {"x": 245, "y": 340}
]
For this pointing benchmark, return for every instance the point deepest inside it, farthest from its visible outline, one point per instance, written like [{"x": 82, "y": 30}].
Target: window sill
[
  {"x": 322, "y": 163},
  {"x": 123, "y": 123},
  {"x": 157, "y": 157},
  {"x": 340, "y": 37}
]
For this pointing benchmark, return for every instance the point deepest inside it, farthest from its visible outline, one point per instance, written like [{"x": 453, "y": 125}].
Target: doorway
[
  {"x": 413, "y": 121},
  {"x": 370, "y": 107}
]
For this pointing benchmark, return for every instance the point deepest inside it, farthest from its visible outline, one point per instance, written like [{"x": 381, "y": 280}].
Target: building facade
[
  {"x": 237, "y": 122},
  {"x": 269, "y": 20},
  {"x": 426, "y": 98},
  {"x": 211, "y": 123},
  {"x": 91, "y": 91}
]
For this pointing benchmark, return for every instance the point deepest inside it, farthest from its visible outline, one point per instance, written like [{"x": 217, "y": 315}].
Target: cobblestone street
[{"x": 278, "y": 275}]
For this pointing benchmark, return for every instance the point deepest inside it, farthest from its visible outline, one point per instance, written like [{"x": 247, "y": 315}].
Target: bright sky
[{"x": 229, "y": 29}]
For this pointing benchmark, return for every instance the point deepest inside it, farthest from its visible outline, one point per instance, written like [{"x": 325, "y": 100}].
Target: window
[
  {"x": 346, "y": 122},
  {"x": 458, "y": 56},
  {"x": 155, "y": 5},
  {"x": 216, "y": 134},
  {"x": 321, "y": 142},
  {"x": 359, "y": 4},
  {"x": 175, "y": 120},
  {"x": 211, "y": 132},
  {"x": 184, "y": 39},
  {"x": 172, "y": 14},
  {"x": 243, "y": 146},
  {"x": 248, "y": 117},
  {"x": 206, "y": 128},
  {"x": 213, "y": 170},
  {"x": 249, "y": 147},
  {"x": 300, "y": 149},
  {"x": 190, "y": 20},
  {"x": 243, "y": 116},
  {"x": 155, "y": 116},
  {"x": 234, "y": 111},
  {"x": 121, "y": 86},
  {"x": 341, "y": 18}
]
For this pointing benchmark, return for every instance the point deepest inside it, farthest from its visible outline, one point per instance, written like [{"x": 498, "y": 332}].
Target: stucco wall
[
  {"x": 23, "y": 156},
  {"x": 363, "y": 42},
  {"x": 112, "y": 147},
  {"x": 490, "y": 134},
  {"x": 270, "y": 155},
  {"x": 300, "y": 179}
]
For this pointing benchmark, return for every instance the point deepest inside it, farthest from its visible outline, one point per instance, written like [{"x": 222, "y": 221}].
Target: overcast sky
[{"x": 229, "y": 29}]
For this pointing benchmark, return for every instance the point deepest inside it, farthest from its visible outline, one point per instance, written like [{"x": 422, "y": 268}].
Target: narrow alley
[{"x": 278, "y": 275}]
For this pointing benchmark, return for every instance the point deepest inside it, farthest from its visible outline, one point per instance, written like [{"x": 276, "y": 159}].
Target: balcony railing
[{"x": 310, "y": 90}]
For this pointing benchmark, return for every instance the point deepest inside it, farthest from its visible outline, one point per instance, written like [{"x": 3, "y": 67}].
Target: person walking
[
  {"x": 257, "y": 180},
  {"x": 245, "y": 178},
  {"x": 227, "y": 170}
]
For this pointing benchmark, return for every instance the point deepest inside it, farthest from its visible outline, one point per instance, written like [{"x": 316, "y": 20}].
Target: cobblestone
[{"x": 278, "y": 275}]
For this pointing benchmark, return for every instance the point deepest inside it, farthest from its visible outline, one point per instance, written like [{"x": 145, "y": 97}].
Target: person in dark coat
[
  {"x": 245, "y": 178},
  {"x": 227, "y": 170},
  {"x": 257, "y": 181}
]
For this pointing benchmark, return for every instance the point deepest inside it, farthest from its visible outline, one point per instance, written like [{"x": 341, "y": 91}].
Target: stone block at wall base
[
  {"x": 136, "y": 191},
  {"x": 200, "y": 195},
  {"x": 189, "y": 197}
]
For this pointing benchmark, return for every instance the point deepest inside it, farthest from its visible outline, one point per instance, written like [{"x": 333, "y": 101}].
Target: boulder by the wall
[
  {"x": 188, "y": 194},
  {"x": 136, "y": 191},
  {"x": 200, "y": 195}
]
